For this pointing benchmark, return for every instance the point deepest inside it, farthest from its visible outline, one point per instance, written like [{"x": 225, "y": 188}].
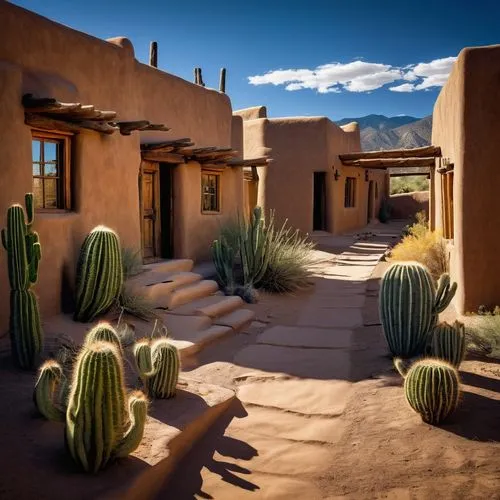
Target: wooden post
[
  {"x": 153, "y": 54},
  {"x": 200, "y": 78},
  {"x": 222, "y": 81},
  {"x": 196, "y": 78}
]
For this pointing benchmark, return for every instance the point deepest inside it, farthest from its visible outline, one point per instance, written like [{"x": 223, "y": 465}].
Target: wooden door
[{"x": 150, "y": 195}]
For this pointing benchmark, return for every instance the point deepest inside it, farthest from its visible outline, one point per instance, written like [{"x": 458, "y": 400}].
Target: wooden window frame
[
  {"x": 447, "y": 205},
  {"x": 218, "y": 196},
  {"x": 65, "y": 181},
  {"x": 350, "y": 192}
]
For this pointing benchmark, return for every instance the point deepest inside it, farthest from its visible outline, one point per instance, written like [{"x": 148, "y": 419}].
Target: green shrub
[
  {"x": 482, "y": 332},
  {"x": 409, "y": 184}
]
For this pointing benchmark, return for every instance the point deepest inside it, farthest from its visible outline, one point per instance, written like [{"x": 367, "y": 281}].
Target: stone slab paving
[
  {"x": 294, "y": 336},
  {"x": 340, "y": 317}
]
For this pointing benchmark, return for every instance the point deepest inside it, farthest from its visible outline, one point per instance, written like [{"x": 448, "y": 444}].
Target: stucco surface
[
  {"x": 252, "y": 113},
  {"x": 51, "y": 60},
  {"x": 406, "y": 205},
  {"x": 299, "y": 147},
  {"x": 466, "y": 127}
]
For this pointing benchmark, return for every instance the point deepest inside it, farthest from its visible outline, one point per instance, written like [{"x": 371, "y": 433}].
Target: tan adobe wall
[
  {"x": 51, "y": 60},
  {"x": 467, "y": 127},
  {"x": 299, "y": 147},
  {"x": 406, "y": 205},
  {"x": 252, "y": 113}
]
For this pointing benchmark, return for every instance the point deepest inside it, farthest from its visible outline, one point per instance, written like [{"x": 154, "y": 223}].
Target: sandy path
[{"x": 322, "y": 414}]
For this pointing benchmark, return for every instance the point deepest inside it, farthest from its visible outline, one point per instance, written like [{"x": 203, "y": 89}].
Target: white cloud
[
  {"x": 404, "y": 87},
  {"x": 359, "y": 76}
]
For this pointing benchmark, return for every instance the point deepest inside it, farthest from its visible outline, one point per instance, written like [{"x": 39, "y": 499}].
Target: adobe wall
[
  {"x": 299, "y": 147},
  {"x": 252, "y": 113},
  {"x": 466, "y": 126},
  {"x": 406, "y": 205},
  {"x": 50, "y": 60}
]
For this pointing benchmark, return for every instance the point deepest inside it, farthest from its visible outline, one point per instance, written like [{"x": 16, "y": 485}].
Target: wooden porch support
[
  {"x": 390, "y": 162},
  {"x": 153, "y": 54},
  {"x": 426, "y": 151}
]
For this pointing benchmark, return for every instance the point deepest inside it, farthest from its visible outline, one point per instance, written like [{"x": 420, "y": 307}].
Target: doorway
[
  {"x": 371, "y": 194},
  {"x": 319, "y": 201},
  {"x": 156, "y": 211}
]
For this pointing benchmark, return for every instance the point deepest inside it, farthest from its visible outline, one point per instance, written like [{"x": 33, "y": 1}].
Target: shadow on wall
[{"x": 406, "y": 205}]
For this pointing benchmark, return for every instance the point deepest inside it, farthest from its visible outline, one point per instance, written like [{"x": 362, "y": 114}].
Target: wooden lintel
[
  {"x": 390, "y": 162},
  {"x": 426, "y": 151},
  {"x": 213, "y": 166},
  {"x": 216, "y": 155},
  {"x": 126, "y": 128},
  {"x": 175, "y": 143},
  {"x": 162, "y": 157},
  {"x": 249, "y": 162},
  {"x": 159, "y": 127},
  {"x": 49, "y": 123}
]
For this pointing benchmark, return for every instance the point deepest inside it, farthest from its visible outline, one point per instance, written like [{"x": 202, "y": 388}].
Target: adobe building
[
  {"x": 306, "y": 182},
  {"x": 85, "y": 126},
  {"x": 465, "y": 184}
]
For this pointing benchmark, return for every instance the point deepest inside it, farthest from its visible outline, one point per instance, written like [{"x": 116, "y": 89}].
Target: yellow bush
[{"x": 427, "y": 247}]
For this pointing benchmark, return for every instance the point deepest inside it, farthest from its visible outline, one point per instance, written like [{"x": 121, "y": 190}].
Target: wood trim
[
  {"x": 151, "y": 167},
  {"x": 434, "y": 151},
  {"x": 219, "y": 194}
]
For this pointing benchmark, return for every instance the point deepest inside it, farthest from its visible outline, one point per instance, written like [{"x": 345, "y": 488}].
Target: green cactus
[
  {"x": 23, "y": 257},
  {"x": 432, "y": 388},
  {"x": 224, "y": 258},
  {"x": 158, "y": 364},
  {"x": 103, "y": 332},
  {"x": 448, "y": 343},
  {"x": 97, "y": 429},
  {"x": 44, "y": 395},
  {"x": 99, "y": 274},
  {"x": 409, "y": 306}
]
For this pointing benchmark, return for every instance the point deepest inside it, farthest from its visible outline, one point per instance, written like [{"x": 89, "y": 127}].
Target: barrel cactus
[
  {"x": 99, "y": 274},
  {"x": 432, "y": 388},
  {"x": 409, "y": 305},
  {"x": 158, "y": 365},
  {"x": 448, "y": 343},
  {"x": 46, "y": 389},
  {"x": 100, "y": 424},
  {"x": 23, "y": 256},
  {"x": 103, "y": 332}
]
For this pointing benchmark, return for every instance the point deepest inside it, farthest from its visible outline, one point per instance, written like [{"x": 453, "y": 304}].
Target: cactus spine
[
  {"x": 432, "y": 388},
  {"x": 99, "y": 274},
  {"x": 158, "y": 365},
  {"x": 97, "y": 415},
  {"x": 448, "y": 343},
  {"x": 103, "y": 332},
  {"x": 44, "y": 395},
  {"x": 23, "y": 256},
  {"x": 409, "y": 305}
]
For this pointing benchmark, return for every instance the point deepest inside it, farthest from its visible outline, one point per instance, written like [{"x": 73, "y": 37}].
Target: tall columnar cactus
[
  {"x": 409, "y": 306},
  {"x": 224, "y": 258},
  {"x": 23, "y": 256},
  {"x": 99, "y": 274},
  {"x": 103, "y": 332},
  {"x": 158, "y": 365},
  {"x": 432, "y": 388},
  {"x": 448, "y": 343},
  {"x": 46, "y": 388},
  {"x": 97, "y": 428}
]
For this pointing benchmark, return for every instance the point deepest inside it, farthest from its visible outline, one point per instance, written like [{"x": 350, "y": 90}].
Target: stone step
[
  {"x": 193, "y": 342},
  {"x": 213, "y": 306},
  {"x": 171, "y": 266},
  {"x": 237, "y": 320},
  {"x": 159, "y": 293},
  {"x": 189, "y": 293}
]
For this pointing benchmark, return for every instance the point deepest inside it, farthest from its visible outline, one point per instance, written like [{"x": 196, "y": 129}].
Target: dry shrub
[
  {"x": 423, "y": 245},
  {"x": 483, "y": 334}
]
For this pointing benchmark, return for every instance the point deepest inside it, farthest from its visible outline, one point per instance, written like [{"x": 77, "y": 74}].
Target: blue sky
[{"x": 350, "y": 53}]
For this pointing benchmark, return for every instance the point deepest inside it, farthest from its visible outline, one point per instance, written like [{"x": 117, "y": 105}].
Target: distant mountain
[{"x": 397, "y": 132}]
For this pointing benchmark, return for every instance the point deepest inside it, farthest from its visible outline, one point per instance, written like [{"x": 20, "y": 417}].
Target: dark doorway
[
  {"x": 166, "y": 210},
  {"x": 371, "y": 194},
  {"x": 319, "y": 210}
]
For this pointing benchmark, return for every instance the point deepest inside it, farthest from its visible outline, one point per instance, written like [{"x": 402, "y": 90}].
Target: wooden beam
[
  {"x": 175, "y": 143},
  {"x": 49, "y": 123},
  {"x": 425, "y": 151},
  {"x": 222, "y": 80},
  {"x": 162, "y": 157},
  {"x": 126, "y": 128},
  {"x": 410, "y": 174},
  {"x": 249, "y": 162},
  {"x": 390, "y": 162},
  {"x": 153, "y": 54},
  {"x": 157, "y": 127}
]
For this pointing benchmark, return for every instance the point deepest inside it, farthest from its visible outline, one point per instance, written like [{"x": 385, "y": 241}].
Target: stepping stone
[
  {"x": 190, "y": 293},
  {"x": 178, "y": 326},
  {"x": 286, "y": 425},
  {"x": 237, "y": 320},
  {"x": 171, "y": 266},
  {"x": 295, "y": 336},
  {"x": 306, "y": 363},
  {"x": 159, "y": 293},
  {"x": 307, "y": 397},
  {"x": 338, "y": 301},
  {"x": 330, "y": 318},
  {"x": 194, "y": 341},
  {"x": 213, "y": 306}
]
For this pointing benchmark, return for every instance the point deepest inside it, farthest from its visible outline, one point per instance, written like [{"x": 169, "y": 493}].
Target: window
[
  {"x": 50, "y": 163},
  {"x": 447, "y": 204},
  {"x": 210, "y": 192},
  {"x": 350, "y": 192}
]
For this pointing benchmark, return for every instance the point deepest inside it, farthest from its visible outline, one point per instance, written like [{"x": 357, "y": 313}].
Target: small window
[
  {"x": 210, "y": 192},
  {"x": 350, "y": 192},
  {"x": 50, "y": 167}
]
